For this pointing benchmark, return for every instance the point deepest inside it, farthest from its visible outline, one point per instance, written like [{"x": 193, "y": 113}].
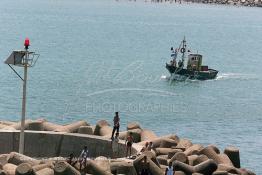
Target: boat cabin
[{"x": 194, "y": 62}]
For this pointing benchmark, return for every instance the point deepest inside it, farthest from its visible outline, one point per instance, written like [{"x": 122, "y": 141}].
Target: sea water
[{"x": 98, "y": 57}]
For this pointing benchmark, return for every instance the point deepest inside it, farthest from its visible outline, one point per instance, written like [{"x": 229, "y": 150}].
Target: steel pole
[{"x": 22, "y": 133}]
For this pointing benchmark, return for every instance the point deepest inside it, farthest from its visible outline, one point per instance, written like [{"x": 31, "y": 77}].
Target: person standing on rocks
[
  {"x": 116, "y": 124},
  {"x": 129, "y": 142},
  {"x": 170, "y": 169},
  {"x": 173, "y": 56},
  {"x": 83, "y": 157}
]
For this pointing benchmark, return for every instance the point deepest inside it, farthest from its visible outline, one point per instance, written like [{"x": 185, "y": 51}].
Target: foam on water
[
  {"x": 240, "y": 76},
  {"x": 164, "y": 77}
]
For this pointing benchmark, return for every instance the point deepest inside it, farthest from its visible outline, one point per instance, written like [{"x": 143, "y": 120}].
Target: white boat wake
[{"x": 225, "y": 76}]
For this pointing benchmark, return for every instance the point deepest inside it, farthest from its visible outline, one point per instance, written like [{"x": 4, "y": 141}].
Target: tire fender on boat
[{"x": 182, "y": 50}]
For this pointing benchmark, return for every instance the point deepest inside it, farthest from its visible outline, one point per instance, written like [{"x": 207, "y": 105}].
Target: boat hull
[{"x": 200, "y": 75}]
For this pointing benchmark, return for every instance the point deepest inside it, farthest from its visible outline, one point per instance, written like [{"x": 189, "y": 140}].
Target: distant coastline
[{"x": 249, "y": 3}]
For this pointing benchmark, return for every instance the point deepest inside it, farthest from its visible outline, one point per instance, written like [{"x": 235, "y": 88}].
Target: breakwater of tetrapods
[{"x": 48, "y": 145}]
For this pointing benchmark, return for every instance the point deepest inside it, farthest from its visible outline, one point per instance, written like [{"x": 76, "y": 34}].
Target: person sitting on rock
[
  {"x": 150, "y": 146},
  {"x": 71, "y": 160},
  {"x": 144, "y": 148},
  {"x": 170, "y": 170},
  {"x": 129, "y": 142},
  {"x": 83, "y": 157},
  {"x": 115, "y": 145}
]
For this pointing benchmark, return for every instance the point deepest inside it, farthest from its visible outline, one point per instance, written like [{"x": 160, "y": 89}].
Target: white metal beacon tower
[{"x": 22, "y": 58}]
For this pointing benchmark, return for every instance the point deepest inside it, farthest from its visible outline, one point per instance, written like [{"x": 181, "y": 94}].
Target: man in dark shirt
[{"x": 116, "y": 124}]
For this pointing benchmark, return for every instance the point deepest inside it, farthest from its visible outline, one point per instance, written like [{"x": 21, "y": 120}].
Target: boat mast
[{"x": 183, "y": 49}]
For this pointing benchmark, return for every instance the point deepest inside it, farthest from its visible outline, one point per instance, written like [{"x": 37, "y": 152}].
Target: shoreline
[
  {"x": 237, "y": 3},
  {"x": 48, "y": 140}
]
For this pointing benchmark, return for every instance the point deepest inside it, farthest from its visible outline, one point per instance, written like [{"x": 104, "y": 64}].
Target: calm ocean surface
[{"x": 102, "y": 56}]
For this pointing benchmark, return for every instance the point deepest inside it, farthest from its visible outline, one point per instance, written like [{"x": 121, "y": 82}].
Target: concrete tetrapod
[
  {"x": 233, "y": 154},
  {"x": 37, "y": 125},
  {"x": 162, "y": 159},
  {"x": 63, "y": 168},
  {"x": 167, "y": 143},
  {"x": 220, "y": 173},
  {"x": 45, "y": 171},
  {"x": 218, "y": 158},
  {"x": 24, "y": 169},
  {"x": 150, "y": 155},
  {"x": 2, "y": 172},
  {"x": 179, "y": 173},
  {"x": 103, "y": 162},
  {"x": 17, "y": 126},
  {"x": 122, "y": 168},
  {"x": 3, "y": 126},
  {"x": 201, "y": 158},
  {"x": 224, "y": 159},
  {"x": 99, "y": 125},
  {"x": 184, "y": 144},
  {"x": 71, "y": 128},
  {"x": 122, "y": 135},
  {"x": 228, "y": 168},
  {"x": 194, "y": 149},
  {"x": 136, "y": 134},
  {"x": 93, "y": 168},
  {"x": 173, "y": 152},
  {"x": 180, "y": 166},
  {"x": 215, "y": 148},
  {"x": 8, "y": 123},
  {"x": 137, "y": 162},
  {"x": 9, "y": 169},
  {"x": 133, "y": 125},
  {"x": 191, "y": 159},
  {"x": 105, "y": 131},
  {"x": 4, "y": 159},
  {"x": 207, "y": 167},
  {"x": 147, "y": 135},
  {"x": 86, "y": 130},
  {"x": 157, "y": 140},
  {"x": 154, "y": 169},
  {"x": 17, "y": 159},
  {"x": 167, "y": 151},
  {"x": 42, "y": 166},
  {"x": 246, "y": 172},
  {"x": 48, "y": 126},
  {"x": 179, "y": 156}
]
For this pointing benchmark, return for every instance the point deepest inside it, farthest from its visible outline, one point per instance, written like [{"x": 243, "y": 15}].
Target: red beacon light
[{"x": 27, "y": 43}]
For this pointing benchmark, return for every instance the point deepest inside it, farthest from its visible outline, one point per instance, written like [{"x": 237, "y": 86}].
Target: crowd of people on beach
[{"x": 84, "y": 155}]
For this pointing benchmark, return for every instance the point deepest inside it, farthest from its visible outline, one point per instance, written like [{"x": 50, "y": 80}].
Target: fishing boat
[{"x": 194, "y": 68}]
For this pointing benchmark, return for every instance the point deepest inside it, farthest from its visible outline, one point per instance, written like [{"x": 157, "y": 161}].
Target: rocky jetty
[
  {"x": 250, "y": 3},
  {"x": 186, "y": 157}
]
